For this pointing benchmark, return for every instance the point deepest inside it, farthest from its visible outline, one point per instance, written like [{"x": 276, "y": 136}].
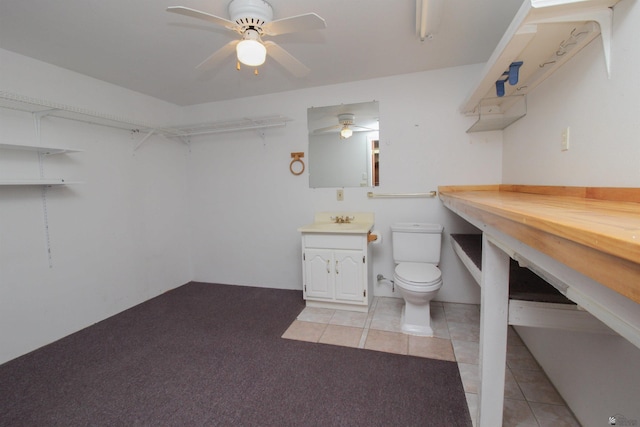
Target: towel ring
[{"x": 296, "y": 159}]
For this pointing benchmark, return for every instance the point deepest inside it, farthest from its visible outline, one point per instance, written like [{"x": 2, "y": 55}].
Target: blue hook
[
  {"x": 511, "y": 76},
  {"x": 500, "y": 87},
  {"x": 514, "y": 69}
]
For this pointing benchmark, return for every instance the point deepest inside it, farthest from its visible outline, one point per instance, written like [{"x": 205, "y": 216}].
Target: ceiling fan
[
  {"x": 346, "y": 125},
  {"x": 252, "y": 19}
]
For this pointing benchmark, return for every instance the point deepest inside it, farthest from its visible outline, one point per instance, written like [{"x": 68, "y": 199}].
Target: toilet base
[{"x": 414, "y": 323}]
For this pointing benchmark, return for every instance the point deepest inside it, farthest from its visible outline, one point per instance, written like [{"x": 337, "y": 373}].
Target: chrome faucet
[{"x": 343, "y": 219}]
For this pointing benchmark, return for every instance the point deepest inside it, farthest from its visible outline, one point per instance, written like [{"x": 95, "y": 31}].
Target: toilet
[{"x": 416, "y": 253}]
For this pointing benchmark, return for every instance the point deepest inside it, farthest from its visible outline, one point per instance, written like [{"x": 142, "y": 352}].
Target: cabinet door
[
  {"x": 318, "y": 272},
  {"x": 349, "y": 275}
]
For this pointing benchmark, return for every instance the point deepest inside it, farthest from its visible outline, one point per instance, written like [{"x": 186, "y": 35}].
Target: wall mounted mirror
[{"x": 343, "y": 145}]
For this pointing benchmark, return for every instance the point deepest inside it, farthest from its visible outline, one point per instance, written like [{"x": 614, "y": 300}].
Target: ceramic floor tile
[
  {"x": 439, "y": 322},
  {"x": 317, "y": 315},
  {"x": 553, "y": 415},
  {"x": 389, "y": 306},
  {"x": 517, "y": 413},
  {"x": 431, "y": 347},
  {"x": 536, "y": 387},
  {"x": 511, "y": 388},
  {"x": 513, "y": 338},
  {"x": 464, "y": 331},
  {"x": 363, "y": 337},
  {"x": 462, "y": 313},
  {"x": 346, "y": 336},
  {"x": 304, "y": 331},
  {"x": 519, "y": 357},
  {"x": 466, "y": 351},
  {"x": 461, "y": 306},
  {"x": 389, "y": 342},
  {"x": 349, "y": 318},
  {"x": 470, "y": 376},
  {"x": 385, "y": 322},
  {"x": 440, "y": 329},
  {"x": 437, "y": 313},
  {"x": 372, "y": 310}
]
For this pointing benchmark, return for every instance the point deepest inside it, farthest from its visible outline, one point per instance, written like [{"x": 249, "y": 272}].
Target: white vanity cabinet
[{"x": 336, "y": 270}]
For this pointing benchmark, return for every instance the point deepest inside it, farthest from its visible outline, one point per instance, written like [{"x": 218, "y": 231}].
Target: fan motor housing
[
  {"x": 250, "y": 13},
  {"x": 346, "y": 119}
]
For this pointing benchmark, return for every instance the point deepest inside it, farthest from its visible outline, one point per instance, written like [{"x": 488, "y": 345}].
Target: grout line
[
  {"x": 371, "y": 313},
  {"x": 363, "y": 337}
]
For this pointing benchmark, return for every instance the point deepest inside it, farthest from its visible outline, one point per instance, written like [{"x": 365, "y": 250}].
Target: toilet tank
[{"x": 416, "y": 242}]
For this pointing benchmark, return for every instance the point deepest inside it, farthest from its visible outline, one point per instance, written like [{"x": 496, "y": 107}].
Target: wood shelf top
[{"x": 594, "y": 230}]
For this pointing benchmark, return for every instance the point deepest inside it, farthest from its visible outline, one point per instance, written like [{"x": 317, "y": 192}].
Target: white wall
[
  {"x": 117, "y": 239},
  {"x": 246, "y": 206},
  {"x": 602, "y": 115},
  {"x": 597, "y": 375},
  {"x": 227, "y": 204}
]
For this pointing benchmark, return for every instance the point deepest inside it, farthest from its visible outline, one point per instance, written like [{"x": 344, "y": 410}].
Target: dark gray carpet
[{"x": 206, "y": 354}]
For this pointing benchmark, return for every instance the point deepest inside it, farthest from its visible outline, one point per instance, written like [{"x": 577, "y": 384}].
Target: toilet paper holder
[{"x": 374, "y": 237}]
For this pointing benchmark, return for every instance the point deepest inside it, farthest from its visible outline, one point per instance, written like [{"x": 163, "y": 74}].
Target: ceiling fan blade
[
  {"x": 285, "y": 59},
  {"x": 218, "y": 56},
  {"x": 357, "y": 128},
  {"x": 181, "y": 10},
  {"x": 294, "y": 24},
  {"x": 328, "y": 129}
]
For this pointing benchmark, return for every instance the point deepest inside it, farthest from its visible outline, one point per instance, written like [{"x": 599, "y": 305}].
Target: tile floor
[{"x": 530, "y": 398}]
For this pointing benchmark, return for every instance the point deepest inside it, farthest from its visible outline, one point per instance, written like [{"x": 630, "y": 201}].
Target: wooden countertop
[{"x": 595, "y": 231}]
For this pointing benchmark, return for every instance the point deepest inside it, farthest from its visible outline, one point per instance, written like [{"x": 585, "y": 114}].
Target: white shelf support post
[
  {"x": 37, "y": 117},
  {"x": 494, "y": 312}
]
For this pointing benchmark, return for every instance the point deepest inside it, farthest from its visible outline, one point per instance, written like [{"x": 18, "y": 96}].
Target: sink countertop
[{"x": 361, "y": 223}]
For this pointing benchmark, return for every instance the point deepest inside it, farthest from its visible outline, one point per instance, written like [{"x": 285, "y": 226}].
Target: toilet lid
[{"x": 418, "y": 272}]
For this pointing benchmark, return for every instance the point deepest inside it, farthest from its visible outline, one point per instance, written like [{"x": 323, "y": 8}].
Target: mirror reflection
[{"x": 343, "y": 145}]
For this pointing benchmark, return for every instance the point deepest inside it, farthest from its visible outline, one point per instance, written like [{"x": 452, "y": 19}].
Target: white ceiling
[{"x": 136, "y": 44}]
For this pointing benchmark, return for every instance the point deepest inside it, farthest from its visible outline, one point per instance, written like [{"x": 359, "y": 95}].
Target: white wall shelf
[
  {"x": 33, "y": 105},
  {"x": 46, "y": 108},
  {"x": 49, "y": 151},
  {"x": 42, "y": 182},
  {"x": 42, "y": 152},
  {"x": 35, "y": 182},
  {"x": 543, "y": 35}
]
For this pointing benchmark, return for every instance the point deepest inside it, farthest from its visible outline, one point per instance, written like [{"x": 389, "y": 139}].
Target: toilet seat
[{"x": 418, "y": 276}]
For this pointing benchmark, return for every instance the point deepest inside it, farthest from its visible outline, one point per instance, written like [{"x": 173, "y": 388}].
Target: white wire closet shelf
[
  {"x": 33, "y": 105},
  {"x": 48, "y": 151}
]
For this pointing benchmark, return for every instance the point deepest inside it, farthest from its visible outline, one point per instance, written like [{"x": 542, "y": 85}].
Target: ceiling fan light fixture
[
  {"x": 346, "y": 132},
  {"x": 251, "y": 52}
]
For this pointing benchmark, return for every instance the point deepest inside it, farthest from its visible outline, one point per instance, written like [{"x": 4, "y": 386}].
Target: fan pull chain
[{"x": 238, "y": 68}]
